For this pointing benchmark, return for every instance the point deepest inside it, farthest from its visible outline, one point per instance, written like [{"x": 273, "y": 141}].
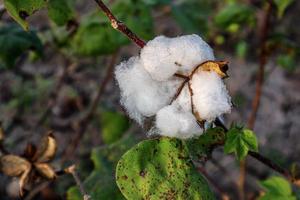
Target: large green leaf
[
  {"x": 240, "y": 141},
  {"x": 60, "y": 11},
  {"x": 101, "y": 184},
  {"x": 160, "y": 169},
  {"x": 21, "y": 9},
  {"x": 14, "y": 41},
  {"x": 113, "y": 126},
  {"x": 277, "y": 188}
]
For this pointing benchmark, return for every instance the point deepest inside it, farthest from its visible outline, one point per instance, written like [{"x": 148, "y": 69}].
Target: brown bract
[
  {"x": 33, "y": 164},
  {"x": 220, "y": 67}
]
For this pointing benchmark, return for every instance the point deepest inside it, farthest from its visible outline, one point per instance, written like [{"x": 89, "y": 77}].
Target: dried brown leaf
[
  {"x": 47, "y": 149},
  {"x": 220, "y": 67},
  {"x": 12, "y": 165},
  {"x": 45, "y": 170}
]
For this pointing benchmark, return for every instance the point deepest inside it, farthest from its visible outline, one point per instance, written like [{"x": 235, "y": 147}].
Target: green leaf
[
  {"x": 101, "y": 184},
  {"x": 241, "y": 49},
  {"x": 282, "y": 5},
  {"x": 287, "y": 61},
  {"x": 160, "y": 169},
  {"x": 234, "y": 13},
  {"x": 21, "y": 9},
  {"x": 113, "y": 126},
  {"x": 240, "y": 141},
  {"x": 14, "y": 41},
  {"x": 201, "y": 147},
  {"x": 60, "y": 11},
  {"x": 277, "y": 188}
]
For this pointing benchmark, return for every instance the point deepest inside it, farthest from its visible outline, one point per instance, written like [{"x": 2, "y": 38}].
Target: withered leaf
[
  {"x": 45, "y": 170},
  {"x": 12, "y": 165},
  {"x": 46, "y": 150},
  {"x": 220, "y": 67}
]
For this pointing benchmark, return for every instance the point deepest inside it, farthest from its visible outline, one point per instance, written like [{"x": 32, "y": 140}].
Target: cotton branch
[
  {"x": 116, "y": 24},
  {"x": 72, "y": 170}
]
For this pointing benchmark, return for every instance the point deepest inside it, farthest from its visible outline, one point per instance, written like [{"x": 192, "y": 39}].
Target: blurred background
[{"x": 59, "y": 77}]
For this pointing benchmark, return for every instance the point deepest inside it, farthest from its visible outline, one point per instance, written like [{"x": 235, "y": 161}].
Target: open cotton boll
[
  {"x": 210, "y": 97},
  {"x": 189, "y": 51},
  {"x": 162, "y": 57},
  {"x": 173, "y": 122},
  {"x": 140, "y": 94},
  {"x": 157, "y": 58}
]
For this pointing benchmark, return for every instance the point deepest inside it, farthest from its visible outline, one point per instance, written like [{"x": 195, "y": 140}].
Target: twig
[
  {"x": 118, "y": 25},
  {"x": 258, "y": 91},
  {"x": 262, "y": 62},
  {"x": 84, "y": 122},
  {"x": 72, "y": 170}
]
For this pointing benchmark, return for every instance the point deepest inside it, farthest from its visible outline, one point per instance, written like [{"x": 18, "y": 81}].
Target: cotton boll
[
  {"x": 173, "y": 122},
  {"x": 189, "y": 51},
  {"x": 157, "y": 58},
  {"x": 210, "y": 97},
  {"x": 140, "y": 94}
]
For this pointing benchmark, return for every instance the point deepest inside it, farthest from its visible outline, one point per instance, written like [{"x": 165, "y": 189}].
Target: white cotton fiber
[
  {"x": 173, "y": 122},
  {"x": 184, "y": 99},
  {"x": 157, "y": 58},
  {"x": 210, "y": 97},
  {"x": 148, "y": 86},
  {"x": 140, "y": 94},
  {"x": 189, "y": 51},
  {"x": 162, "y": 57}
]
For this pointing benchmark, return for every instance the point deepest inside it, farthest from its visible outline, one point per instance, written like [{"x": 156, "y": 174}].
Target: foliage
[
  {"x": 100, "y": 184},
  {"x": 96, "y": 37},
  {"x": 59, "y": 12},
  {"x": 160, "y": 169},
  {"x": 234, "y": 14},
  {"x": 240, "y": 141},
  {"x": 277, "y": 188},
  {"x": 282, "y": 5},
  {"x": 113, "y": 125},
  {"x": 201, "y": 148},
  {"x": 14, "y": 42},
  {"x": 20, "y": 9}
]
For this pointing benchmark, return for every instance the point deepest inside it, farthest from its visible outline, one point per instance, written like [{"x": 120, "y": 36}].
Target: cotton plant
[{"x": 176, "y": 81}]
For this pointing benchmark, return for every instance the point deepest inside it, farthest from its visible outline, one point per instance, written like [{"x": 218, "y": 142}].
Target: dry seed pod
[
  {"x": 12, "y": 165},
  {"x": 47, "y": 149},
  {"x": 45, "y": 170},
  {"x": 220, "y": 67}
]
